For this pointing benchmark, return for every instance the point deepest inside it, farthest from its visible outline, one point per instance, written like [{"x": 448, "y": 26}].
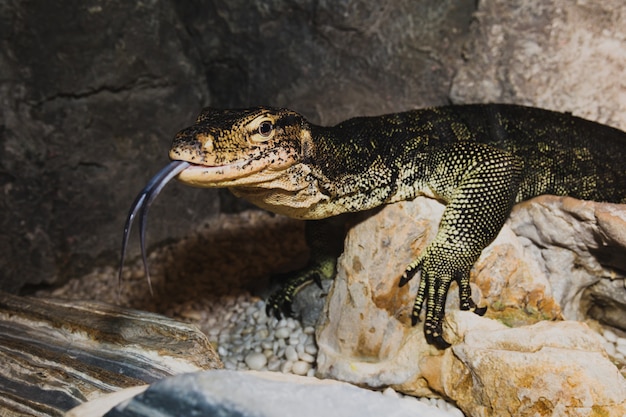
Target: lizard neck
[{"x": 356, "y": 165}]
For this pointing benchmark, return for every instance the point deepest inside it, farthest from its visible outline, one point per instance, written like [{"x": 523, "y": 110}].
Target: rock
[
  {"x": 58, "y": 354},
  {"x": 365, "y": 336},
  {"x": 576, "y": 245},
  {"x": 569, "y": 58},
  {"x": 397, "y": 56},
  {"x": 256, "y": 360},
  {"x": 258, "y": 394},
  {"x": 89, "y": 107},
  {"x": 367, "y": 315},
  {"x": 549, "y": 368}
]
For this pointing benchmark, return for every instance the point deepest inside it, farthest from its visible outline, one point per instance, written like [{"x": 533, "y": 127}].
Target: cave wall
[{"x": 92, "y": 93}]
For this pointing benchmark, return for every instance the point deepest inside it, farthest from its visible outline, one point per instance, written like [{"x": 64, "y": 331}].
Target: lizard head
[
  {"x": 255, "y": 152},
  {"x": 230, "y": 148}
]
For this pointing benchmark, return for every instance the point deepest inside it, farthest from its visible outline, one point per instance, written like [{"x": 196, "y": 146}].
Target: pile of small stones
[
  {"x": 246, "y": 338},
  {"x": 615, "y": 345}
]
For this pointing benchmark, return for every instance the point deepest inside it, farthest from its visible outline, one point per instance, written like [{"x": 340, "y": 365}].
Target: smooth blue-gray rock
[{"x": 264, "y": 394}]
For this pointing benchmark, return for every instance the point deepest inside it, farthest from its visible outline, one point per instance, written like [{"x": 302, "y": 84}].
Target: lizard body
[{"x": 478, "y": 159}]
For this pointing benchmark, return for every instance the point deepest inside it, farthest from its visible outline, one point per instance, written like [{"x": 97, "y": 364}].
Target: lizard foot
[
  {"x": 280, "y": 303},
  {"x": 438, "y": 268}
]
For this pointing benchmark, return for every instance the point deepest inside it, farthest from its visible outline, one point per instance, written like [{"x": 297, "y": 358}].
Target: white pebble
[
  {"x": 262, "y": 333},
  {"x": 273, "y": 364},
  {"x": 280, "y": 353},
  {"x": 300, "y": 368},
  {"x": 455, "y": 411},
  {"x": 291, "y": 354},
  {"x": 306, "y": 357},
  {"x": 256, "y": 361},
  {"x": 610, "y": 348},
  {"x": 282, "y": 333},
  {"x": 286, "y": 367},
  {"x": 390, "y": 392},
  {"x": 609, "y": 335},
  {"x": 621, "y": 349},
  {"x": 311, "y": 349}
]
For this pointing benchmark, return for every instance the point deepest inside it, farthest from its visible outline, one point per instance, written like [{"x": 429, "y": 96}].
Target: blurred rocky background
[{"x": 93, "y": 91}]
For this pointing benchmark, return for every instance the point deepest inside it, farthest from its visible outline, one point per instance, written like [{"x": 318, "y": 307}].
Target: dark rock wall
[{"x": 93, "y": 91}]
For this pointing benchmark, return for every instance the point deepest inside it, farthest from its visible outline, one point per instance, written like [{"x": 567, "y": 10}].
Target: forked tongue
[{"x": 140, "y": 206}]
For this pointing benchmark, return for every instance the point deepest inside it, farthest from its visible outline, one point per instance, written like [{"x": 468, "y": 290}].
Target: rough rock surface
[
  {"x": 365, "y": 334},
  {"x": 557, "y": 54},
  {"x": 578, "y": 246},
  {"x": 91, "y": 95},
  {"x": 549, "y": 368},
  {"x": 58, "y": 354},
  {"x": 261, "y": 394}
]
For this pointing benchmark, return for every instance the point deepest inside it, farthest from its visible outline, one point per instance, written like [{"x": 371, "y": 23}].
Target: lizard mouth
[
  {"x": 140, "y": 208},
  {"x": 213, "y": 176},
  {"x": 233, "y": 174}
]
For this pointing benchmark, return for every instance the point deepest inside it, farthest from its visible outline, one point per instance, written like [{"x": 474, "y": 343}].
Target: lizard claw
[
  {"x": 433, "y": 331},
  {"x": 280, "y": 303},
  {"x": 409, "y": 273},
  {"x": 439, "y": 267}
]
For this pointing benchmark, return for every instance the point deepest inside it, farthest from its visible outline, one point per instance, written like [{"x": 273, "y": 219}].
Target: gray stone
[
  {"x": 89, "y": 106},
  {"x": 261, "y": 394}
]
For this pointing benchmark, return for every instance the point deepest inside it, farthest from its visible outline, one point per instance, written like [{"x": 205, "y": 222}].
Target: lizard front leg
[
  {"x": 480, "y": 184},
  {"x": 325, "y": 239}
]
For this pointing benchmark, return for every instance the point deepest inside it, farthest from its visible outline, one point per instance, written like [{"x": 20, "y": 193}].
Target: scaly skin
[{"x": 478, "y": 159}]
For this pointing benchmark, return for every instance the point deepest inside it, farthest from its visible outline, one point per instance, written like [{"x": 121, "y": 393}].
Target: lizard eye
[
  {"x": 263, "y": 129},
  {"x": 266, "y": 128}
]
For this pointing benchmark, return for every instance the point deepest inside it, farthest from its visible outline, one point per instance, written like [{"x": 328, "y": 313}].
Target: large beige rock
[
  {"x": 545, "y": 369},
  {"x": 365, "y": 336}
]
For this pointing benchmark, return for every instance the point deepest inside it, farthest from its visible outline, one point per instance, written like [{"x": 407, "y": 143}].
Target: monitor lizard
[{"x": 478, "y": 159}]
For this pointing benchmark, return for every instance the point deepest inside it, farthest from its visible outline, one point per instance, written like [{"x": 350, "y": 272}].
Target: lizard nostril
[{"x": 208, "y": 142}]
